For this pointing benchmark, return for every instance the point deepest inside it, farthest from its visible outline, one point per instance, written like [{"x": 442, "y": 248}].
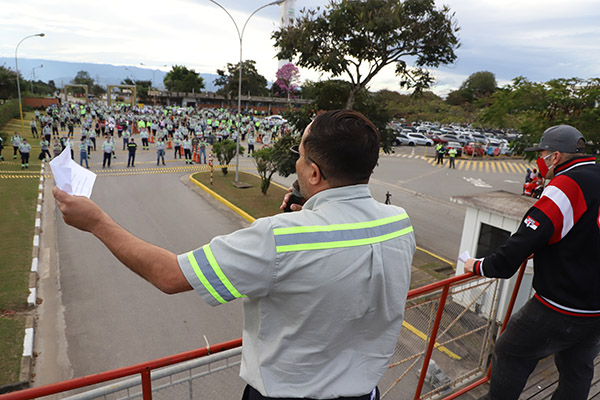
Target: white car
[
  {"x": 412, "y": 139},
  {"x": 275, "y": 120}
]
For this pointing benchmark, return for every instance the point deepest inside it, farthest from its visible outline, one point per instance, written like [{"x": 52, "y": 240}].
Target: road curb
[
  {"x": 27, "y": 358},
  {"x": 223, "y": 200},
  {"x": 226, "y": 202}
]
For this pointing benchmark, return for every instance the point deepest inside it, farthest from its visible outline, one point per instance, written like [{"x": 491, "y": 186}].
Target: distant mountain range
[{"x": 62, "y": 72}]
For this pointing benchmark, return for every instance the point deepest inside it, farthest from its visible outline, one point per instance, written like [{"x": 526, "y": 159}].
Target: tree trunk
[{"x": 351, "y": 99}]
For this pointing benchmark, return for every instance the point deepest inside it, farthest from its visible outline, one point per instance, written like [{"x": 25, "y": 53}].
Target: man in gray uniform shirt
[{"x": 324, "y": 287}]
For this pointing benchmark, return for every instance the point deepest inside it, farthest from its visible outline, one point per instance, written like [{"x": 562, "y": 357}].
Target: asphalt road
[{"x": 100, "y": 316}]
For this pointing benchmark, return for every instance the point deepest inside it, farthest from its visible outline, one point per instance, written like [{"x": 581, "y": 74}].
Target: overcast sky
[{"x": 538, "y": 39}]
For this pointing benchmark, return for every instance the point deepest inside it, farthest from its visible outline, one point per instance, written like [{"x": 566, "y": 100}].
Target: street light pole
[
  {"x": 239, "y": 107},
  {"x": 132, "y": 74},
  {"x": 18, "y": 83},
  {"x": 33, "y": 75},
  {"x": 154, "y": 71}
]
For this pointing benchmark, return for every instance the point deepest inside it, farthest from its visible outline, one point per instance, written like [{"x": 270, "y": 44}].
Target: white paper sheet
[
  {"x": 464, "y": 256},
  {"x": 70, "y": 176}
]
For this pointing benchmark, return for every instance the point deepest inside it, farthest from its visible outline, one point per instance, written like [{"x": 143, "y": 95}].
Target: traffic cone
[
  {"x": 151, "y": 138},
  {"x": 169, "y": 145},
  {"x": 196, "y": 157},
  {"x": 181, "y": 150}
]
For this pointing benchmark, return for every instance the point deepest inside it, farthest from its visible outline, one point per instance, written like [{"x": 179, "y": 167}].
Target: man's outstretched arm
[{"x": 155, "y": 264}]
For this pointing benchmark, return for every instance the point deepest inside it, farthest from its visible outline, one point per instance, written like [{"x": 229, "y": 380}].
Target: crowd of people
[{"x": 186, "y": 130}]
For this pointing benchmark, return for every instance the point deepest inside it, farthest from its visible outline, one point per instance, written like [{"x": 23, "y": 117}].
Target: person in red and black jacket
[{"x": 562, "y": 231}]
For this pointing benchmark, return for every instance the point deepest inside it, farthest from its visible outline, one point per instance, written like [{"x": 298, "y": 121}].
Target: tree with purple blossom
[{"x": 287, "y": 79}]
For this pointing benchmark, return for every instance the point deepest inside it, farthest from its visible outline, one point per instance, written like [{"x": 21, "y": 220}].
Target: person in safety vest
[{"x": 324, "y": 287}]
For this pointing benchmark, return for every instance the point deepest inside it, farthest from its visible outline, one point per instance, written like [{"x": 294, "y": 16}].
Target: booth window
[{"x": 490, "y": 238}]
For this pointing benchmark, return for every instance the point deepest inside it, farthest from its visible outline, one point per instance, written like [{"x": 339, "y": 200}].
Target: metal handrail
[{"x": 144, "y": 369}]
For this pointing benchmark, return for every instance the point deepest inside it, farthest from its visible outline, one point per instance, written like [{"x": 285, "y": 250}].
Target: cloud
[{"x": 538, "y": 39}]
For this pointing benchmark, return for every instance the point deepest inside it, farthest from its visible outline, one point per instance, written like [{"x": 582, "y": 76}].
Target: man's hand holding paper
[{"x": 70, "y": 177}]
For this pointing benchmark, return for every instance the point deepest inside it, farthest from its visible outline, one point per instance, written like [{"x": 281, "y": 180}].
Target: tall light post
[
  {"x": 239, "y": 107},
  {"x": 18, "y": 83},
  {"x": 33, "y": 75},
  {"x": 132, "y": 74},
  {"x": 153, "y": 71}
]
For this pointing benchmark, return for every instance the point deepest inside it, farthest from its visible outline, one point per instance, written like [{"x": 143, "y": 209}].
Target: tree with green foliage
[
  {"x": 332, "y": 95},
  {"x": 8, "y": 83},
  {"x": 278, "y": 159},
  {"x": 266, "y": 166},
  {"x": 477, "y": 86},
  {"x": 253, "y": 83},
  {"x": 532, "y": 107},
  {"x": 359, "y": 38},
  {"x": 182, "y": 79},
  {"x": 84, "y": 78},
  {"x": 224, "y": 152},
  {"x": 43, "y": 88},
  {"x": 141, "y": 88}
]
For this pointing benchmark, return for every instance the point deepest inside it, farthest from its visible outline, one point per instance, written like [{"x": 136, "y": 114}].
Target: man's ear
[{"x": 315, "y": 176}]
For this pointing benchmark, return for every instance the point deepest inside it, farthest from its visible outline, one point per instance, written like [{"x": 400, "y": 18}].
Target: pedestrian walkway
[
  {"x": 497, "y": 165},
  {"x": 487, "y": 166}
]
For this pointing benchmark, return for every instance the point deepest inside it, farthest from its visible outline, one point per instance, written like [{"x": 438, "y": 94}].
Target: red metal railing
[
  {"x": 509, "y": 311},
  {"x": 144, "y": 369}
]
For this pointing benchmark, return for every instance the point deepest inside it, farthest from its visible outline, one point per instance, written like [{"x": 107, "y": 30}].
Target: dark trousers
[
  {"x": 177, "y": 152},
  {"x": 105, "y": 159},
  {"x": 536, "y": 332},
  {"x": 15, "y": 149},
  {"x": 187, "y": 153},
  {"x": 24, "y": 158},
  {"x": 440, "y": 158},
  {"x": 131, "y": 159},
  {"x": 252, "y": 394},
  {"x": 144, "y": 142},
  {"x": 452, "y": 163}
]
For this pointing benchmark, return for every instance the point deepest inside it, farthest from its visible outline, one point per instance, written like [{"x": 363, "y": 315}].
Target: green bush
[{"x": 8, "y": 111}]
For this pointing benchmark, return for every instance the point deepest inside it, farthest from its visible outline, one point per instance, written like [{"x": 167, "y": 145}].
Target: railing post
[
  {"x": 432, "y": 340},
  {"x": 146, "y": 384},
  {"x": 513, "y": 298}
]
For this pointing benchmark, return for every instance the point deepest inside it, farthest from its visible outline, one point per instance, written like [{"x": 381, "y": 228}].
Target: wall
[{"x": 39, "y": 102}]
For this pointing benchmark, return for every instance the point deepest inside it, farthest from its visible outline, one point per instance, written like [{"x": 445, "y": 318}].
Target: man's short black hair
[{"x": 345, "y": 144}]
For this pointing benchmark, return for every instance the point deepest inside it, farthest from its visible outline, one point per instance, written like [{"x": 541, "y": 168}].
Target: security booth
[{"x": 491, "y": 218}]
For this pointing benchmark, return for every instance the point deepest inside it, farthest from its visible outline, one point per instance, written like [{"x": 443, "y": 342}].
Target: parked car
[
  {"x": 479, "y": 138},
  {"x": 400, "y": 139},
  {"x": 411, "y": 139},
  {"x": 420, "y": 139},
  {"x": 275, "y": 120},
  {"x": 493, "y": 148},
  {"x": 437, "y": 139},
  {"x": 474, "y": 149},
  {"x": 455, "y": 145},
  {"x": 454, "y": 138}
]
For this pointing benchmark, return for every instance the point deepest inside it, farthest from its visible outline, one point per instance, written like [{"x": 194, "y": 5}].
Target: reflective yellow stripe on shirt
[
  {"x": 211, "y": 275},
  {"x": 341, "y": 235}
]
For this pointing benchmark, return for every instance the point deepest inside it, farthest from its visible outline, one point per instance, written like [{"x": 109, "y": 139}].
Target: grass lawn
[
  {"x": 18, "y": 199},
  {"x": 250, "y": 200},
  {"x": 12, "y": 329}
]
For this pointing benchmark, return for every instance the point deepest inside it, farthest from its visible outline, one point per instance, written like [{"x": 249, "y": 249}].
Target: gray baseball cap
[{"x": 563, "y": 138}]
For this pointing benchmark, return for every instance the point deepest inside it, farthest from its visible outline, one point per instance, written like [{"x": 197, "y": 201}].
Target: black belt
[{"x": 252, "y": 394}]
